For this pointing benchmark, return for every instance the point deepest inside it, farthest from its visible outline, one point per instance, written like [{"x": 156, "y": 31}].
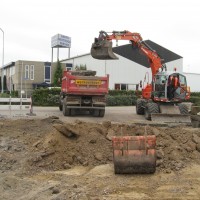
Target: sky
[{"x": 28, "y": 26}]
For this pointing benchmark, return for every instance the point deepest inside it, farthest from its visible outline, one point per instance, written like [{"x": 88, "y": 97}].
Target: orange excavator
[{"x": 161, "y": 100}]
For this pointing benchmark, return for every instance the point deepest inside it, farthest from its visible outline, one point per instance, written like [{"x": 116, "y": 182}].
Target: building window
[
  {"x": 26, "y": 76},
  {"x": 69, "y": 66},
  {"x": 47, "y": 73},
  {"x": 32, "y": 72},
  {"x": 117, "y": 86},
  {"x": 123, "y": 86}
]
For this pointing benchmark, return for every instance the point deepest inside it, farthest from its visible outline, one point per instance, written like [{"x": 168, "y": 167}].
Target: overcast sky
[{"x": 28, "y": 26}]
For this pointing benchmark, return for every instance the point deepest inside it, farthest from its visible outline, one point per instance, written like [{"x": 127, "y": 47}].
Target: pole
[
  {"x": 52, "y": 55},
  {"x": 10, "y": 81},
  {"x": 68, "y": 52},
  {"x": 58, "y": 53},
  {"x": 105, "y": 67},
  {"x": 21, "y": 77},
  {"x": 2, "y": 63}
]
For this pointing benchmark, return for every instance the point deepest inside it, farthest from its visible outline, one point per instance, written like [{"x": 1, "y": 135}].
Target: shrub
[
  {"x": 121, "y": 92},
  {"x": 7, "y": 95},
  {"x": 122, "y": 100},
  {"x": 195, "y": 100},
  {"x": 195, "y": 94},
  {"x": 46, "y": 97}
]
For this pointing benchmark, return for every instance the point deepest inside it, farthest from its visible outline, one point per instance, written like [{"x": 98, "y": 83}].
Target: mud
[{"x": 52, "y": 159}]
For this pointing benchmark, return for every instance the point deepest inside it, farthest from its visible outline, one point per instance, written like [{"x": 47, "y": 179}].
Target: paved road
[{"x": 116, "y": 114}]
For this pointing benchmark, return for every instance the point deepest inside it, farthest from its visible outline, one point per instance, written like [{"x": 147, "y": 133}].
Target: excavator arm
[{"x": 102, "y": 48}]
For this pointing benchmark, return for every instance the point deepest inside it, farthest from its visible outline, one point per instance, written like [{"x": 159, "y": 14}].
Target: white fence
[{"x": 15, "y": 104}]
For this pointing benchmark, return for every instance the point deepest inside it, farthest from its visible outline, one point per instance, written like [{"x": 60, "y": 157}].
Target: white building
[
  {"x": 131, "y": 67},
  {"x": 193, "y": 80}
]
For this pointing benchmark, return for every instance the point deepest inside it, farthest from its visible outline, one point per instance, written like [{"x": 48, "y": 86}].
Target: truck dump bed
[{"x": 73, "y": 83}]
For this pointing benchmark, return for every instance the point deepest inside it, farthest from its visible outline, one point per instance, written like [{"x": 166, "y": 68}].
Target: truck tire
[
  {"x": 66, "y": 111},
  {"x": 73, "y": 112},
  {"x": 139, "y": 107},
  {"x": 101, "y": 113},
  {"x": 60, "y": 102},
  {"x": 149, "y": 109},
  {"x": 60, "y": 107},
  {"x": 183, "y": 109},
  {"x": 96, "y": 113}
]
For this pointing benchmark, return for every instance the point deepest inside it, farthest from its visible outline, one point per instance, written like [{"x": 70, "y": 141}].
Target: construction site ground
[{"x": 47, "y": 156}]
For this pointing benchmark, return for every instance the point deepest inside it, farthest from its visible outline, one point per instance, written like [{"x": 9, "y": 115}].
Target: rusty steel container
[{"x": 134, "y": 154}]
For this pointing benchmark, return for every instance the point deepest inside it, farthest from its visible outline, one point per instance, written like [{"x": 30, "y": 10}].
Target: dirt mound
[
  {"x": 50, "y": 144},
  {"x": 72, "y": 144}
]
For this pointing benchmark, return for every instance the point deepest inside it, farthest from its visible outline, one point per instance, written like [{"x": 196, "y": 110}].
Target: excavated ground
[{"x": 51, "y": 159}]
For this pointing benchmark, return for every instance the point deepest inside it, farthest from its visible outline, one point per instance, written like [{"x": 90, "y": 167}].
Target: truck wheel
[
  {"x": 60, "y": 107},
  {"x": 66, "y": 111},
  {"x": 183, "y": 109},
  {"x": 101, "y": 113},
  {"x": 60, "y": 103},
  {"x": 73, "y": 112},
  {"x": 139, "y": 107},
  {"x": 149, "y": 109},
  {"x": 96, "y": 113}
]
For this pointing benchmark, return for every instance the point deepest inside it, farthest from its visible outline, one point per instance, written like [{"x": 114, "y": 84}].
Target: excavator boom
[{"x": 102, "y": 47}]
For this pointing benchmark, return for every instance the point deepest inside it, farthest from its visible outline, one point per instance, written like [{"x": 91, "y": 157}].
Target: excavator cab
[
  {"x": 170, "y": 86},
  {"x": 102, "y": 48}
]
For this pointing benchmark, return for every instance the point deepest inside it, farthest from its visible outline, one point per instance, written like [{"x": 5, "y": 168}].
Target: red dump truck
[{"x": 83, "y": 91}]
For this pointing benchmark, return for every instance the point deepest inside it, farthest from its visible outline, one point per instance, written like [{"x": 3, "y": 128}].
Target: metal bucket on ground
[
  {"x": 134, "y": 154},
  {"x": 103, "y": 50}
]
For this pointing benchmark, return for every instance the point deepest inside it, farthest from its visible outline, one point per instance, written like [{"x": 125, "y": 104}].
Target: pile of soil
[{"x": 49, "y": 144}]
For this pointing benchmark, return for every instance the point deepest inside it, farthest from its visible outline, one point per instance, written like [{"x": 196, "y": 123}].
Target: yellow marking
[
  {"x": 88, "y": 82},
  {"x": 118, "y": 37}
]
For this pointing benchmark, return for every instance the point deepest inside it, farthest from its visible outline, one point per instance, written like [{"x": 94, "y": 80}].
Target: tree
[{"x": 58, "y": 74}]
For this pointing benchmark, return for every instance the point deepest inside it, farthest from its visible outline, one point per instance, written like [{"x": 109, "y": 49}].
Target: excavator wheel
[
  {"x": 139, "y": 106},
  {"x": 183, "y": 109},
  {"x": 134, "y": 154},
  {"x": 149, "y": 109}
]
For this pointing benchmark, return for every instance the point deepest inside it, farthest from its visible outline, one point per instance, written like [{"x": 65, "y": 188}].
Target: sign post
[{"x": 60, "y": 41}]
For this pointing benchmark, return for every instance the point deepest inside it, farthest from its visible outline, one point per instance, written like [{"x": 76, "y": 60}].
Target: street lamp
[{"x": 2, "y": 63}]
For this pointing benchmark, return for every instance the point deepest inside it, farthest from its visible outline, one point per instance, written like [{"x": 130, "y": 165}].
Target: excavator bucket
[
  {"x": 103, "y": 50},
  {"x": 134, "y": 154}
]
